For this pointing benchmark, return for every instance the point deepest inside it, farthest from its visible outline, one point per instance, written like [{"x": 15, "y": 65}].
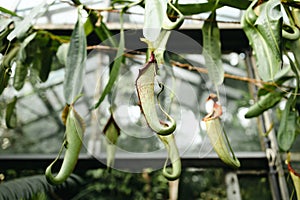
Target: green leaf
[
  {"x": 270, "y": 88},
  {"x": 22, "y": 66},
  {"x": 11, "y": 116},
  {"x": 41, "y": 52},
  {"x": 20, "y": 75},
  {"x": 23, "y": 26},
  {"x": 240, "y": 4},
  {"x": 5, "y": 74},
  {"x": 62, "y": 53},
  {"x": 115, "y": 68},
  {"x": 88, "y": 26},
  {"x": 264, "y": 103},
  {"x": 100, "y": 28},
  {"x": 196, "y": 8},
  {"x": 264, "y": 34},
  {"x": 212, "y": 50},
  {"x": 153, "y": 18},
  {"x": 287, "y": 128},
  {"x": 22, "y": 52},
  {"x": 105, "y": 35},
  {"x": 75, "y": 63},
  {"x": 4, "y": 10}
]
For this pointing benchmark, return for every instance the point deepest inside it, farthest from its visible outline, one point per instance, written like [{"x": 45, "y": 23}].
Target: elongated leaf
[
  {"x": 101, "y": 30},
  {"x": 105, "y": 35},
  {"x": 20, "y": 75},
  {"x": 22, "y": 52},
  {"x": 269, "y": 88},
  {"x": 5, "y": 74},
  {"x": 287, "y": 129},
  {"x": 41, "y": 52},
  {"x": 22, "y": 66},
  {"x": 62, "y": 53},
  {"x": 264, "y": 34},
  {"x": 154, "y": 12},
  {"x": 264, "y": 103},
  {"x": 212, "y": 49},
  {"x": 4, "y": 10},
  {"x": 196, "y": 8},
  {"x": 23, "y": 26},
  {"x": 115, "y": 68},
  {"x": 240, "y": 4},
  {"x": 11, "y": 116},
  {"x": 89, "y": 26},
  {"x": 75, "y": 64}
]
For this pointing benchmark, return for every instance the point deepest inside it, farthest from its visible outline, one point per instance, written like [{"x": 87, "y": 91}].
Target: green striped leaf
[
  {"x": 154, "y": 12},
  {"x": 75, "y": 63},
  {"x": 212, "y": 49},
  {"x": 115, "y": 67}
]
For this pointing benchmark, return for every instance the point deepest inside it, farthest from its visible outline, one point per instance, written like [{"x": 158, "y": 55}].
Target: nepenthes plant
[
  {"x": 217, "y": 135},
  {"x": 27, "y": 54},
  {"x": 145, "y": 90},
  {"x": 75, "y": 128},
  {"x": 146, "y": 95}
]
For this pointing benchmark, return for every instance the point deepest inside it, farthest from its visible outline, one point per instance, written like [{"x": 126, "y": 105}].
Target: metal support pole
[{"x": 277, "y": 180}]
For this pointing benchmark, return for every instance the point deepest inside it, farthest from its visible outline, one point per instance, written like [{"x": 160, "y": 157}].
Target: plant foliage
[{"x": 29, "y": 55}]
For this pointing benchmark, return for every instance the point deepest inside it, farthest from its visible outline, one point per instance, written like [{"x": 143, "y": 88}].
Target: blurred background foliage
[{"x": 198, "y": 184}]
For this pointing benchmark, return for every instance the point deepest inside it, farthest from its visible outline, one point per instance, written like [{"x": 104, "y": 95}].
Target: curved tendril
[
  {"x": 294, "y": 35},
  {"x": 145, "y": 90},
  {"x": 173, "y": 155},
  {"x": 168, "y": 24}
]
